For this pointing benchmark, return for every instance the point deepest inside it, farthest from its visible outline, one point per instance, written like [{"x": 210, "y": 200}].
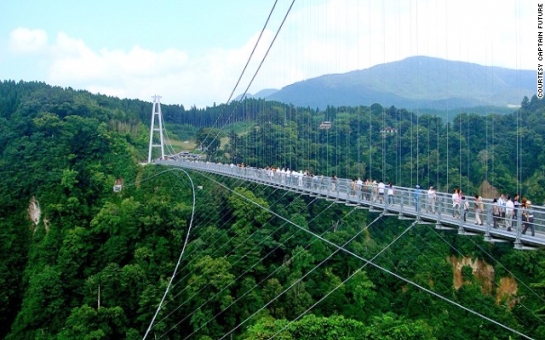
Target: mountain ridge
[{"x": 412, "y": 83}]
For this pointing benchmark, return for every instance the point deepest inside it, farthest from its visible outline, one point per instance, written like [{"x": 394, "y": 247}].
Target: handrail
[{"x": 407, "y": 202}]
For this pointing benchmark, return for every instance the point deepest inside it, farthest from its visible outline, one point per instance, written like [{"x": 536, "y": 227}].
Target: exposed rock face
[
  {"x": 488, "y": 191},
  {"x": 504, "y": 290},
  {"x": 507, "y": 291},
  {"x": 34, "y": 211}
]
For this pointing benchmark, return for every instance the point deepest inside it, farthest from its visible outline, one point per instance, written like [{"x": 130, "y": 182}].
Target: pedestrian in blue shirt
[{"x": 417, "y": 198}]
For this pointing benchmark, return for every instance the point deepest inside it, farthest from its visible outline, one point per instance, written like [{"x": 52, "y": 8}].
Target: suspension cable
[
  {"x": 302, "y": 277},
  {"x": 247, "y": 270},
  {"x": 259, "y": 67},
  {"x": 391, "y": 273},
  {"x": 179, "y": 258},
  {"x": 503, "y": 267},
  {"x": 347, "y": 279},
  {"x": 263, "y": 280},
  {"x": 245, "y": 67}
]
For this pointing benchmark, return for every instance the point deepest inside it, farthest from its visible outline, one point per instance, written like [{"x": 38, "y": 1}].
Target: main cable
[
  {"x": 258, "y": 68},
  {"x": 245, "y": 66},
  {"x": 396, "y": 275},
  {"x": 179, "y": 258},
  {"x": 202, "y": 288},
  {"x": 221, "y": 184}
]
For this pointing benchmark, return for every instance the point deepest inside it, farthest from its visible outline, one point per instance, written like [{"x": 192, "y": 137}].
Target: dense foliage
[
  {"x": 95, "y": 264},
  {"x": 402, "y": 147}
]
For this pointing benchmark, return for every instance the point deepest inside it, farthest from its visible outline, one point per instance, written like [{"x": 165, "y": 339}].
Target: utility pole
[{"x": 156, "y": 111}]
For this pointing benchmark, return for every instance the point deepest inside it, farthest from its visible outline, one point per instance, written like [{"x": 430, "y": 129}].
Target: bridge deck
[{"x": 406, "y": 205}]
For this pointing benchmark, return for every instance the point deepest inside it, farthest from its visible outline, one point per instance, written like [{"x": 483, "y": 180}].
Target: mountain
[
  {"x": 261, "y": 94},
  {"x": 415, "y": 82}
]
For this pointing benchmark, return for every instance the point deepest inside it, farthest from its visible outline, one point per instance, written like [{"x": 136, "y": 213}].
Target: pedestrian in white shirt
[
  {"x": 509, "y": 208},
  {"x": 432, "y": 196}
]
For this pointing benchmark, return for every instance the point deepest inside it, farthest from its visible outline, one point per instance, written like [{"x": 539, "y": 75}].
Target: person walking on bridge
[
  {"x": 478, "y": 208},
  {"x": 509, "y": 208},
  {"x": 527, "y": 217},
  {"x": 432, "y": 197},
  {"x": 496, "y": 213},
  {"x": 375, "y": 191},
  {"x": 502, "y": 202},
  {"x": 353, "y": 187},
  {"x": 417, "y": 198},
  {"x": 465, "y": 205},
  {"x": 390, "y": 194},
  {"x": 359, "y": 188},
  {"x": 381, "y": 187},
  {"x": 456, "y": 199},
  {"x": 368, "y": 189},
  {"x": 516, "y": 207}
]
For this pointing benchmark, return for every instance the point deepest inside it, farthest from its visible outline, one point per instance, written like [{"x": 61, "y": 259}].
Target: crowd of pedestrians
[{"x": 504, "y": 210}]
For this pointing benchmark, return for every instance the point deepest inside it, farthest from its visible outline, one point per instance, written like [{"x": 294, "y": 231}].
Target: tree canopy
[{"x": 94, "y": 264}]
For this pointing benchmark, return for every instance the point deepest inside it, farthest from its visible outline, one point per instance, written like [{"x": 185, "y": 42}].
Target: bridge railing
[{"x": 405, "y": 200}]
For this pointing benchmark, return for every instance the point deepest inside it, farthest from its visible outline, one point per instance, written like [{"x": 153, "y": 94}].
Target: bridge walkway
[{"x": 408, "y": 203}]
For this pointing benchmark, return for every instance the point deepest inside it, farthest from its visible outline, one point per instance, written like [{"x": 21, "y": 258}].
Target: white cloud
[
  {"x": 24, "y": 40},
  {"x": 135, "y": 73},
  {"x": 323, "y": 37}
]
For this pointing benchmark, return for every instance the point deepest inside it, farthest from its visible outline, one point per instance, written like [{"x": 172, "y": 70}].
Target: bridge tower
[{"x": 156, "y": 112}]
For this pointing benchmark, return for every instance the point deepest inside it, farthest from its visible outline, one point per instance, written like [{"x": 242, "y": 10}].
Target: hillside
[
  {"x": 81, "y": 261},
  {"x": 415, "y": 82}
]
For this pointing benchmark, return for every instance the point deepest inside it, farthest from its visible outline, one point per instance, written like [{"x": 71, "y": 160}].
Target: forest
[{"x": 80, "y": 261}]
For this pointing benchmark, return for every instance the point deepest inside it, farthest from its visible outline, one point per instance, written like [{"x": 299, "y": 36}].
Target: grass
[
  {"x": 240, "y": 128},
  {"x": 179, "y": 145}
]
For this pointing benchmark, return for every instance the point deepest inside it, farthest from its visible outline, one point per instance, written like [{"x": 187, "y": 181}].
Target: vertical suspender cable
[
  {"x": 411, "y": 114},
  {"x": 435, "y": 117},
  {"x": 398, "y": 133},
  {"x": 517, "y": 40},
  {"x": 460, "y": 149},
  {"x": 383, "y": 110},
  {"x": 337, "y": 158},
  {"x": 417, "y": 101},
  {"x": 429, "y": 115},
  {"x": 370, "y": 146},
  {"x": 412, "y": 153},
  {"x": 468, "y": 145},
  {"x": 493, "y": 177},
  {"x": 447, "y": 78},
  {"x": 486, "y": 146},
  {"x": 358, "y": 109},
  {"x": 437, "y": 150},
  {"x": 493, "y": 155},
  {"x": 369, "y": 110},
  {"x": 428, "y": 175},
  {"x": 358, "y": 148},
  {"x": 467, "y": 121},
  {"x": 348, "y": 156}
]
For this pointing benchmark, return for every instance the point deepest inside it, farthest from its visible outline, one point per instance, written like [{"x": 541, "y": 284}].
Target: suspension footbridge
[{"x": 408, "y": 203}]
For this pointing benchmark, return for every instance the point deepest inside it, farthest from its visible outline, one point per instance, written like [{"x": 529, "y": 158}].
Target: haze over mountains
[{"x": 416, "y": 82}]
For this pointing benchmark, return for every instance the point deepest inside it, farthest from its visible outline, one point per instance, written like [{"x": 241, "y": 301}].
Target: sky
[{"x": 192, "y": 52}]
